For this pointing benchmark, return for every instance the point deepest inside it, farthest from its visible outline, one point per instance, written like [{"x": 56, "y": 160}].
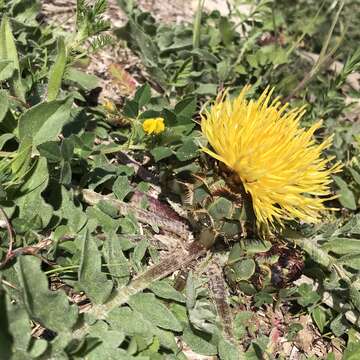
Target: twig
[
  {"x": 167, "y": 266},
  {"x": 219, "y": 294},
  {"x": 144, "y": 216}
]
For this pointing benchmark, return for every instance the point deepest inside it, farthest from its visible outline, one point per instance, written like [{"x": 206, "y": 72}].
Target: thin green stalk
[{"x": 197, "y": 24}]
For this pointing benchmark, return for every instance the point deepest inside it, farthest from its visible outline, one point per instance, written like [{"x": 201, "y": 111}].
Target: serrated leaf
[
  {"x": 155, "y": 311},
  {"x": 50, "y": 308},
  {"x": 57, "y": 70},
  {"x": 91, "y": 279},
  {"x": 44, "y": 122}
]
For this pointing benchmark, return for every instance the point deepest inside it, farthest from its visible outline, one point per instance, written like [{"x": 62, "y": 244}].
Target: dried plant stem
[
  {"x": 144, "y": 216},
  {"x": 167, "y": 266},
  {"x": 219, "y": 294}
]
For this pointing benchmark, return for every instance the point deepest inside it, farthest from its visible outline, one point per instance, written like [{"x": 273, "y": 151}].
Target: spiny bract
[{"x": 278, "y": 162}]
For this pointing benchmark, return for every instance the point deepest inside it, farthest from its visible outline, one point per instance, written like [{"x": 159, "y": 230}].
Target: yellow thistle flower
[
  {"x": 154, "y": 126},
  {"x": 278, "y": 162}
]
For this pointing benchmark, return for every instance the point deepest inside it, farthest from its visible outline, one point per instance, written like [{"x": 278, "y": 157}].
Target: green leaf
[
  {"x": 6, "y": 69},
  {"x": 339, "y": 325},
  {"x": 91, "y": 279},
  {"x": 347, "y": 198},
  {"x": 227, "y": 350},
  {"x": 57, "y": 70},
  {"x": 38, "y": 348},
  {"x": 50, "y": 308},
  {"x": 117, "y": 263},
  {"x": 164, "y": 290},
  {"x": 20, "y": 326},
  {"x": 161, "y": 152},
  {"x": 4, "y": 104},
  {"x": 143, "y": 95},
  {"x": 244, "y": 269},
  {"x": 220, "y": 208},
  {"x": 131, "y": 109},
  {"x": 44, "y": 122},
  {"x": 21, "y": 162},
  {"x": 307, "y": 295},
  {"x": 355, "y": 175},
  {"x": 85, "y": 81},
  {"x": 133, "y": 322},
  {"x": 71, "y": 211},
  {"x": 8, "y": 52},
  {"x": 5, "y": 337},
  {"x": 226, "y": 30},
  {"x": 110, "y": 342},
  {"x": 185, "y": 109},
  {"x": 121, "y": 187},
  {"x": 206, "y": 89},
  {"x": 342, "y": 246},
  {"x": 29, "y": 200},
  {"x": 352, "y": 352},
  {"x": 199, "y": 342},
  {"x": 153, "y": 310},
  {"x": 50, "y": 150},
  {"x": 187, "y": 151},
  {"x": 319, "y": 316}
]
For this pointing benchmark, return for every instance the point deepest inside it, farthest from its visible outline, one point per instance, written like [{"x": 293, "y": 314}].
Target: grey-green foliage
[
  {"x": 91, "y": 279},
  {"x": 5, "y": 336},
  {"x": 49, "y": 308}
]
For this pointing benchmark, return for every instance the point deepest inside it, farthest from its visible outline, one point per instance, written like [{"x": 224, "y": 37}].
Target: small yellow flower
[
  {"x": 109, "y": 106},
  {"x": 154, "y": 126},
  {"x": 278, "y": 162}
]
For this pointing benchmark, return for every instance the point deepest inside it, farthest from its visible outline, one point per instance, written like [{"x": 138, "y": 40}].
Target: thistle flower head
[
  {"x": 278, "y": 162},
  {"x": 153, "y": 126}
]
